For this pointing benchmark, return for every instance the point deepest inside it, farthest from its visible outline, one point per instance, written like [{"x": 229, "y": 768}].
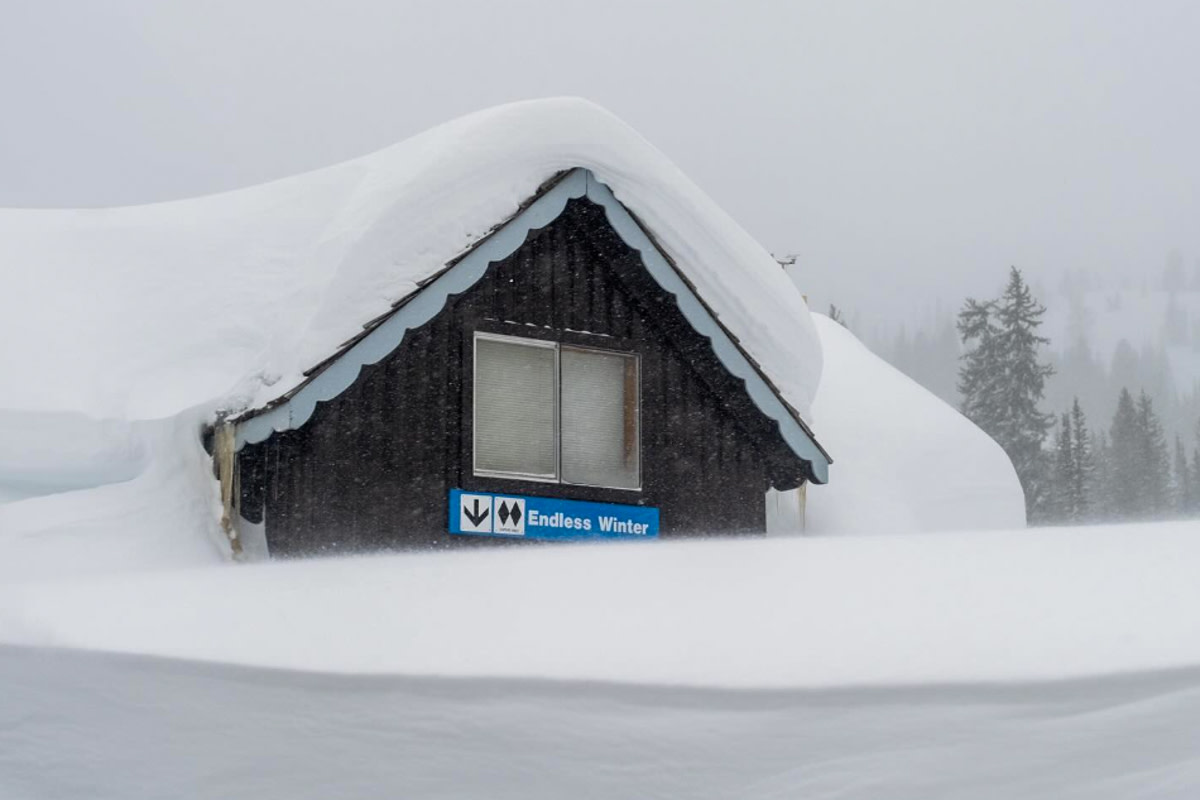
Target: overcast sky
[{"x": 906, "y": 150}]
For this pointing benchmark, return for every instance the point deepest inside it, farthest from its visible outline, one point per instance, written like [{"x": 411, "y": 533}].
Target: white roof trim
[{"x": 430, "y": 300}]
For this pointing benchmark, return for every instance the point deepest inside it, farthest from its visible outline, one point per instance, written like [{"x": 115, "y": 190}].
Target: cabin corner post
[
  {"x": 225, "y": 454},
  {"x": 802, "y": 500}
]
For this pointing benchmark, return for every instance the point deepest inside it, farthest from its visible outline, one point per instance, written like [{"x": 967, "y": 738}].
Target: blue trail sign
[{"x": 522, "y": 516}]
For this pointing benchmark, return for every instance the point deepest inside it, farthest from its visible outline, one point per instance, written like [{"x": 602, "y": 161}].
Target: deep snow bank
[
  {"x": 904, "y": 460},
  {"x": 104, "y": 497},
  {"x": 800, "y": 612}
]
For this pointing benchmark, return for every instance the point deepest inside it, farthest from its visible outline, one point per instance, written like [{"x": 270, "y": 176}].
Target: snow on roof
[{"x": 223, "y": 301}]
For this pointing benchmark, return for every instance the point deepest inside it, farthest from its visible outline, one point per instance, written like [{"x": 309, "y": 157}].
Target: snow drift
[
  {"x": 856, "y": 667},
  {"x": 906, "y": 461},
  {"x": 787, "y": 613}
]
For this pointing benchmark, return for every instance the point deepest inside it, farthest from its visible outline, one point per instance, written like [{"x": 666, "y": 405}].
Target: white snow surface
[
  {"x": 1041, "y": 664},
  {"x": 905, "y": 461},
  {"x": 813, "y": 612},
  {"x": 83, "y": 725},
  {"x": 222, "y": 301}
]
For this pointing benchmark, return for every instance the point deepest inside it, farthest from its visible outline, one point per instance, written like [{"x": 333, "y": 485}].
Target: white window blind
[
  {"x": 515, "y": 408},
  {"x": 556, "y": 413},
  {"x": 599, "y": 418}
]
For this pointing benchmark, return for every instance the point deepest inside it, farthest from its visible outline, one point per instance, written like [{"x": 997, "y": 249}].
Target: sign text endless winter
[
  {"x": 525, "y": 516},
  {"x": 608, "y": 524}
]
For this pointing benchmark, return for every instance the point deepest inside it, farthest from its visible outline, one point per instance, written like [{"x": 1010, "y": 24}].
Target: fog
[{"x": 906, "y": 152}]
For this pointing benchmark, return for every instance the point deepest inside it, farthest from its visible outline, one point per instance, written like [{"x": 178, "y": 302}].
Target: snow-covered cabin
[
  {"x": 669, "y": 365},
  {"x": 236, "y": 320},
  {"x": 591, "y": 364}
]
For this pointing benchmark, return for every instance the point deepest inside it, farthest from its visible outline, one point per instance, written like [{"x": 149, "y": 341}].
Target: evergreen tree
[
  {"x": 1183, "y": 480},
  {"x": 1023, "y": 426},
  {"x": 1103, "y": 502},
  {"x": 1083, "y": 467},
  {"x": 1196, "y": 473},
  {"x": 1154, "y": 457},
  {"x": 1195, "y": 507},
  {"x": 981, "y": 365},
  {"x": 1060, "y": 506},
  {"x": 1124, "y": 471},
  {"x": 1002, "y": 381}
]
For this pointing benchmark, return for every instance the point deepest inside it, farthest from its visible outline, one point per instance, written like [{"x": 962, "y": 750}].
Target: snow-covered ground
[
  {"x": 1033, "y": 664},
  {"x": 92, "y": 726},
  {"x": 794, "y": 612}
]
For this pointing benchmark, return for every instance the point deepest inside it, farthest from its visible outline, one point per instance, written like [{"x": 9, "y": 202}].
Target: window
[{"x": 551, "y": 412}]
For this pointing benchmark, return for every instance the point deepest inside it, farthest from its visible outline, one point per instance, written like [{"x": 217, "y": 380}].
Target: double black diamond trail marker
[{"x": 505, "y": 513}]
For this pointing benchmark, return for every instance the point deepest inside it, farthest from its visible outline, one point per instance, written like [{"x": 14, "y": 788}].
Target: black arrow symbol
[{"x": 478, "y": 516}]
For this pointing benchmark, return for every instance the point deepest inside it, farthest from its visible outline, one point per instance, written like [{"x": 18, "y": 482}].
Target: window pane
[
  {"x": 514, "y": 408},
  {"x": 599, "y": 419}
]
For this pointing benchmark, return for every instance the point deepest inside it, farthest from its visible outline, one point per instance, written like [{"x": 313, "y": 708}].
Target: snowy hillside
[{"x": 1147, "y": 317}]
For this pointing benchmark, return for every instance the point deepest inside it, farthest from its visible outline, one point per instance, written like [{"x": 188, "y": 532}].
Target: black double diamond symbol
[{"x": 505, "y": 513}]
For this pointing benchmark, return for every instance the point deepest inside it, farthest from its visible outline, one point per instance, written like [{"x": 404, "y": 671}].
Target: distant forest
[{"x": 1111, "y": 398}]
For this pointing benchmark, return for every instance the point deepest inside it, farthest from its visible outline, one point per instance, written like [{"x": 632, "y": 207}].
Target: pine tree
[
  {"x": 1196, "y": 473},
  {"x": 1083, "y": 467},
  {"x": 1124, "y": 471},
  {"x": 1154, "y": 457},
  {"x": 1195, "y": 507},
  {"x": 1023, "y": 427},
  {"x": 1103, "y": 502},
  {"x": 1002, "y": 381},
  {"x": 981, "y": 369},
  {"x": 1057, "y": 508},
  {"x": 1183, "y": 479}
]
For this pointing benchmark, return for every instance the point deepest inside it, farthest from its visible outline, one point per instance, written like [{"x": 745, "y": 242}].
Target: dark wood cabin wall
[{"x": 372, "y": 468}]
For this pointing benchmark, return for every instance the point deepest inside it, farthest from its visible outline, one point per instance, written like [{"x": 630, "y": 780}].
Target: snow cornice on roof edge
[{"x": 337, "y": 374}]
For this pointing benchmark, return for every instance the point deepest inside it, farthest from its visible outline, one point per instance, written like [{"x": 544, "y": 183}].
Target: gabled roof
[
  {"x": 223, "y": 302},
  {"x": 382, "y": 335}
]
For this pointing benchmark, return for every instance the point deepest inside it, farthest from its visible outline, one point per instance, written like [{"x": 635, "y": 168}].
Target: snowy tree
[
  {"x": 1103, "y": 503},
  {"x": 1124, "y": 471},
  {"x": 1154, "y": 458},
  {"x": 1183, "y": 479},
  {"x": 1074, "y": 470},
  {"x": 1059, "y": 505},
  {"x": 1195, "y": 474},
  {"x": 1083, "y": 467},
  {"x": 1002, "y": 381},
  {"x": 980, "y": 373}
]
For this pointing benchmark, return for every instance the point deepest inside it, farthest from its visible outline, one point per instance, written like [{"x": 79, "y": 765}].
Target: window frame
[{"x": 557, "y": 346}]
